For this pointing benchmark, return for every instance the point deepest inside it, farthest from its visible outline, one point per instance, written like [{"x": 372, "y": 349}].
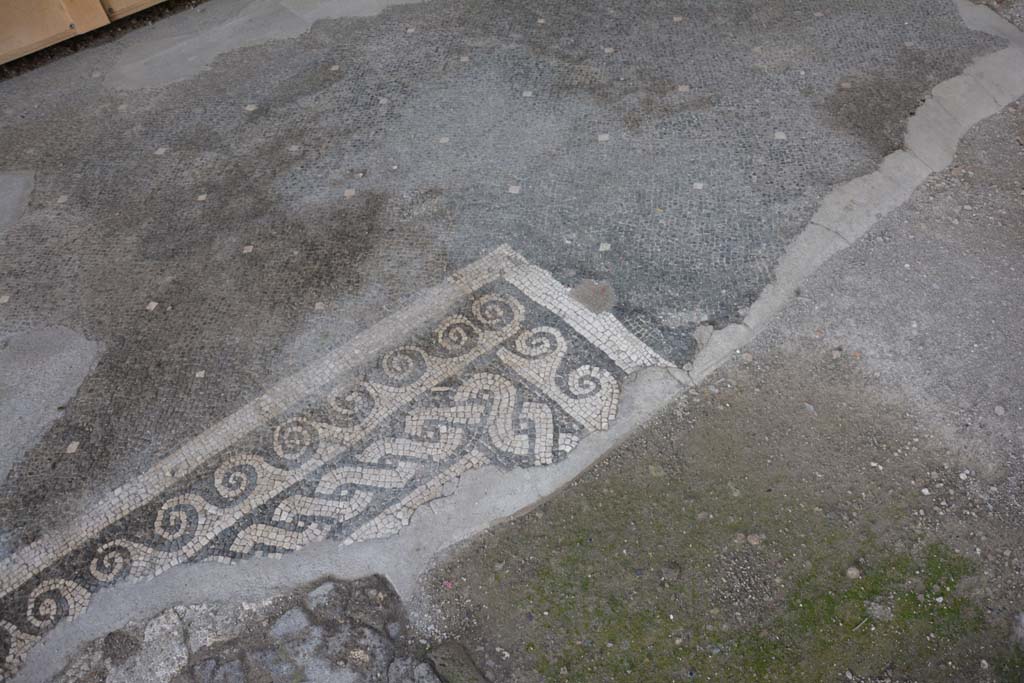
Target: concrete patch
[
  {"x": 980, "y": 18},
  {"x": 966, "y": 99},
  {"x": 853, "y": 207},
  {"x": 1000, "y": 74},
  {"x": 932, "y": 134},
  {"x": 15, "y": 191},
  {"x": 42, "y": 370},
  {"x": 222, "y": 27}
]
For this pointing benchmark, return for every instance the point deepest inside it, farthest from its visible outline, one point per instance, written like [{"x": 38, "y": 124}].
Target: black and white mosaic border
[{"x": 515, "y": 374}]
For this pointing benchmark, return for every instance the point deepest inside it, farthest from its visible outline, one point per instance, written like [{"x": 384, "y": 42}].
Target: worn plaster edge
[
  {"x": 482, "y": 499},
  {"x": 850, "y": 210}
]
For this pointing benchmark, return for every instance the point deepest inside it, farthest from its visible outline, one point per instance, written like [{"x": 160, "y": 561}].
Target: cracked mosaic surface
[{"x": 514, "y": 373}]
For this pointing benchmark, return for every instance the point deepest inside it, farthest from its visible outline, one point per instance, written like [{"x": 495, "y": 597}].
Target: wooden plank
[
  {"x": 86, "y": 14},
  {"x": 30, "y": 25},
  {"x": 122, "y": 8}
]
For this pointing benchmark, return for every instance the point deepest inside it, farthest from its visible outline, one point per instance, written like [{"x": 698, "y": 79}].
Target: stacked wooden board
[{"x": 30, "y": 25}]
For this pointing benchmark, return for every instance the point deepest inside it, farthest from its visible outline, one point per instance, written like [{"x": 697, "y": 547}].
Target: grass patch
[{"x": 903, "y": 610}]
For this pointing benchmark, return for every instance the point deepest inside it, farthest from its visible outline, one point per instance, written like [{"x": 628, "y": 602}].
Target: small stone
[
  {"x": 755, "y": 539},
  {"x": 747, "y": 357},
  {"x": 514, "y": 189},
  {"x": 201, "y": 197},
  {"x": 683, "y": 88},
  {"x": 247, "y": 249},
  {"x": 62, "y": 199},
  {"x": 819, "y": 14},
  {"x": 250, "y": 107},
  {"x": 925, "y": 492},
  {"x": 293, "y": 148},
  {"x": 853, "y": 573},
  {"x": 72, "y": 448},
  {"x": 677, "y": 18},
  {"x": 160, "y": 151},
  {"x": 779, "y": 135},
  {"x": 527, "y": 93},
  {"x": 698, "y": 186},
  {"x": 541, "y": 21},
  {"x": 604, "y": 246},
  {"x": 410, "y": 30},
  {"x": 836, "y": 354},
  {"x": 200, "y": 374},
  {"x": 604, "y": 137},
  {"x": 609, "y": 50},
  {"x": 335, "y": 67},
  {"x": 289, "y": 623},
  {"x": 444, "y": 141},
  {"x": 879, "y": 612},
  {"x": 319, "y": 596},
  {"x": 845, "y": 85},
  {"x": 151, "y": 306},
  {"x": 318, "y": 306},
  {"x": 1000, "y": 411},
  {"x": 349, "y": 193},
  {"x": 4, "y": 298},
  {"x": 464, "y": 58}
]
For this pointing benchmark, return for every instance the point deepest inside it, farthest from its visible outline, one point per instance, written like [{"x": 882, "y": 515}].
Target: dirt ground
[{"x": 789, "y": 521}]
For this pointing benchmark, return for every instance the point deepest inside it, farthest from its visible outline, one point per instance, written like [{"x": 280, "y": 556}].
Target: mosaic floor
[{"x": 498, "y": 365}]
